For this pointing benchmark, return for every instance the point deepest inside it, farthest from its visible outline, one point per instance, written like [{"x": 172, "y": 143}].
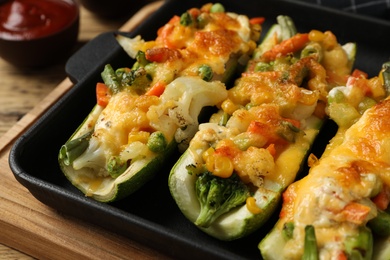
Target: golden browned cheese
[
  {"x": 369, "y": 139},
  {"x": 224, "y": 36},
  {"x": 177, "y": 51},
  {"x": 335, "y": 197},
  {"x": 124, "y": 114}
]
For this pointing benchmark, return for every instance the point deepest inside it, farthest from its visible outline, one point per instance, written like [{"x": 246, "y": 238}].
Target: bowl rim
[{"x": 69, "y": 25}]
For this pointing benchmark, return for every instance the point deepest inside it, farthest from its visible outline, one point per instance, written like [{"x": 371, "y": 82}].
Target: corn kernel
[
  {"x": 382, "y": 80},
  {"x": 252, "y": 206},
  {"x": 316, "y": 36},
  {"x": 223, "y": 167},
  {"x": 140, "y": 136},
  {"x": 208, "y": 158},
  {"x": 148, "y": 45},
  {"x": 229, "y": 107}
]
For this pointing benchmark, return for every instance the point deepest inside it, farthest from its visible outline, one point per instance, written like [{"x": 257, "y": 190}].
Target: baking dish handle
[{"x": 94, "y": 55}]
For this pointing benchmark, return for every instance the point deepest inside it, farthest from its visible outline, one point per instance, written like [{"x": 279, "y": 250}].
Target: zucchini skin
[
  {"x": 158, "y": 64},
  {"x": 182, "y": 184},
  {"x": 239, "y": 222},
  {"x": 125, "y": 186},
  {"x": 365, "y": 239},
  {"x": 128, "y": 186}
]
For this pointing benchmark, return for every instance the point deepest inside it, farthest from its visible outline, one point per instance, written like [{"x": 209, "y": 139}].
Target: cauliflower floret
[{"x": 253, "y": 164}]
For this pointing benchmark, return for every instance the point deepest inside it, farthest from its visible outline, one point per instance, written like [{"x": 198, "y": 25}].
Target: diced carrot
[
  {"x": 356, "y": 212},
  {"x": 175, "y": 19},
  {"x": 289, "y": 196},
  {"x": 257, "y": 20},
  {"x": 358, "y": 73},
  {"x": 165, "y": 32},
  {"x": 156, "y": 90},
  {"x": 162, "y": 54},
  {"x": 361, "y": 83},
  {"x": 102, "y": 94},
  {"x": 272, "y": 150},
  {"x": 342, "y": 256},
  {"x": 229, "y": 151},
  {"x": 194, "y": 12},
  {"x": 266, "y": 130},
  {"x": 382, "y": 199},
  {"x": 257, "y": 127},
  {"x": 290, "y": 45}
]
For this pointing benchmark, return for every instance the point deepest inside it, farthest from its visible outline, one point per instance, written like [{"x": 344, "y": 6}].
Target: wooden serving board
[{"x": 39, "y": 231}]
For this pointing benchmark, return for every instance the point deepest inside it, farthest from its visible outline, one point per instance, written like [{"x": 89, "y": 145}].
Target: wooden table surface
[{"x": 21, "y": 90}]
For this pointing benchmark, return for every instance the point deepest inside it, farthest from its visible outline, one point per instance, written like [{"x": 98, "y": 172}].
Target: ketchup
[{"x": 32, "y": 19}]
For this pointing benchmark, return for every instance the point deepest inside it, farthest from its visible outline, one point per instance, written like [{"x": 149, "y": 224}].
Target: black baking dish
[{"x": 150, "y": 216}]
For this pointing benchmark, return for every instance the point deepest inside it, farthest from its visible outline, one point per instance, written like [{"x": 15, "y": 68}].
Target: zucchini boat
[
  {"x": 144, "y": 112},
  {"x": 340, "y": 206},
  {"x": 230, "y": 179}
]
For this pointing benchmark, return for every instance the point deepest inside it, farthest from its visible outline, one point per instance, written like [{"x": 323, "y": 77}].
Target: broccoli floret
[
  {"x": 218, "y": 196},
  {"x": 385, "y": 73},
  {"x": 136, "y": 78},
  {"x": 122, "y": 78},
  {"x": 157, "y": 142},
  {"x": 360, "y": 245},
  {"x": 193, "y": 170},
  {"x": 116, "y": 166}
]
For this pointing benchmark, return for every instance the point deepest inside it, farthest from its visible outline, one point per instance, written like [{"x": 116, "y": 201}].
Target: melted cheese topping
[
  {"x": 344, "y": 179},
  {"x": 224, "y": 36},
  {"x": 124, "y": 114},
  {"x": 267, "y": 116},
  {"x": 125, "y": 123},
  {"x": 270, "y": 126}
]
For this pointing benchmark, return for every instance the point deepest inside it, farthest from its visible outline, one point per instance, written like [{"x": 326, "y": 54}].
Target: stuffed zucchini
[
  {"x": 340, "y": 206},
  {"x": 230, "y": 179},
  {"x": 144, "y": 112}
]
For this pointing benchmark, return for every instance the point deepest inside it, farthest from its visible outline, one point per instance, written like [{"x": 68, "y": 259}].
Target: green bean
[
  {"x": 72, "y": 149},
  {"x": 110, "y": 79},
  {"x": 310, "y": 247},
  {"x": 313, "y": 49},
  {"x": 225, "y": 117},
  {"x": 287, "y": 26},
  {"x": 386, "y": 76}
]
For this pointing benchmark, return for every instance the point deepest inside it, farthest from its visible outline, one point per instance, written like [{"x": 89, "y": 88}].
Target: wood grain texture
[{"x": 30, "y": 229}]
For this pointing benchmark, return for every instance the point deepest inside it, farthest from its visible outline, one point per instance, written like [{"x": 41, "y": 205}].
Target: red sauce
[{"x": 31, "y": 19}]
